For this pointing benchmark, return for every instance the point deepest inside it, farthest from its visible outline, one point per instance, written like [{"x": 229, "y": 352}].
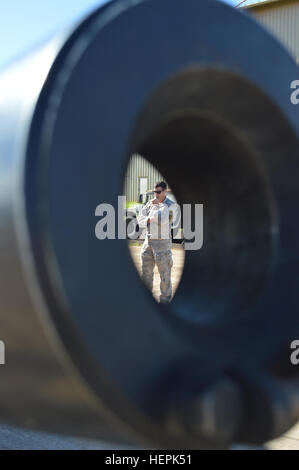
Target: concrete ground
[
  {"x": 12, "y": 438},
  {"x": 289, "y": 441}
]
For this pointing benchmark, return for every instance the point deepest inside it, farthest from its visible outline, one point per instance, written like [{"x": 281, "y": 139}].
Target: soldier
[{"x": 156, "y": 216}]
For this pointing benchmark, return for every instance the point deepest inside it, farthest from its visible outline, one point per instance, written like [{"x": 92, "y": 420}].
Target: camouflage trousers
[{"x": 157, "y": 252}]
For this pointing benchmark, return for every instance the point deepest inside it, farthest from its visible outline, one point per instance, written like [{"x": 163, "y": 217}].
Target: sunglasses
[{"x": 158, "y": 192}]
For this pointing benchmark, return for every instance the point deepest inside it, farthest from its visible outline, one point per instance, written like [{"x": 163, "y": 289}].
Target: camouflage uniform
[{"x": 157, "y": 245}]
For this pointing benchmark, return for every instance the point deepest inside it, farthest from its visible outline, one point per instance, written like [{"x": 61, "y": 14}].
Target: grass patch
[{"x": 130, "y": 204}]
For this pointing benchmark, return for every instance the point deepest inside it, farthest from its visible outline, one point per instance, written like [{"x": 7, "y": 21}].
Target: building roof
[{"x": 261, "y": 3}]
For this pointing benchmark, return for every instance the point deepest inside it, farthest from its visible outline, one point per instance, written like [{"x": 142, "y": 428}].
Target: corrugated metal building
[
  {"x": 281, "y": 17},
  {"x": 140, "y": 177}
]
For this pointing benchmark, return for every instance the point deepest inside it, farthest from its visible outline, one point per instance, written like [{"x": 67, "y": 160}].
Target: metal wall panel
[
  {"x": 139, "y": 167},
  {"x": 282, "y": 19}
]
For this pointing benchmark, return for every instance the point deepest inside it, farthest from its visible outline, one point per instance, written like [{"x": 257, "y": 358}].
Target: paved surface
[
  {"x": 19, "y": 439},
  {"x": 289, "y": 441},
  {"x": 12, "y": 438}
]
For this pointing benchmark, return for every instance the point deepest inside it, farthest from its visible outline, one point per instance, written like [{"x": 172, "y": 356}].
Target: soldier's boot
[{"x": 164, "y": 299}]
